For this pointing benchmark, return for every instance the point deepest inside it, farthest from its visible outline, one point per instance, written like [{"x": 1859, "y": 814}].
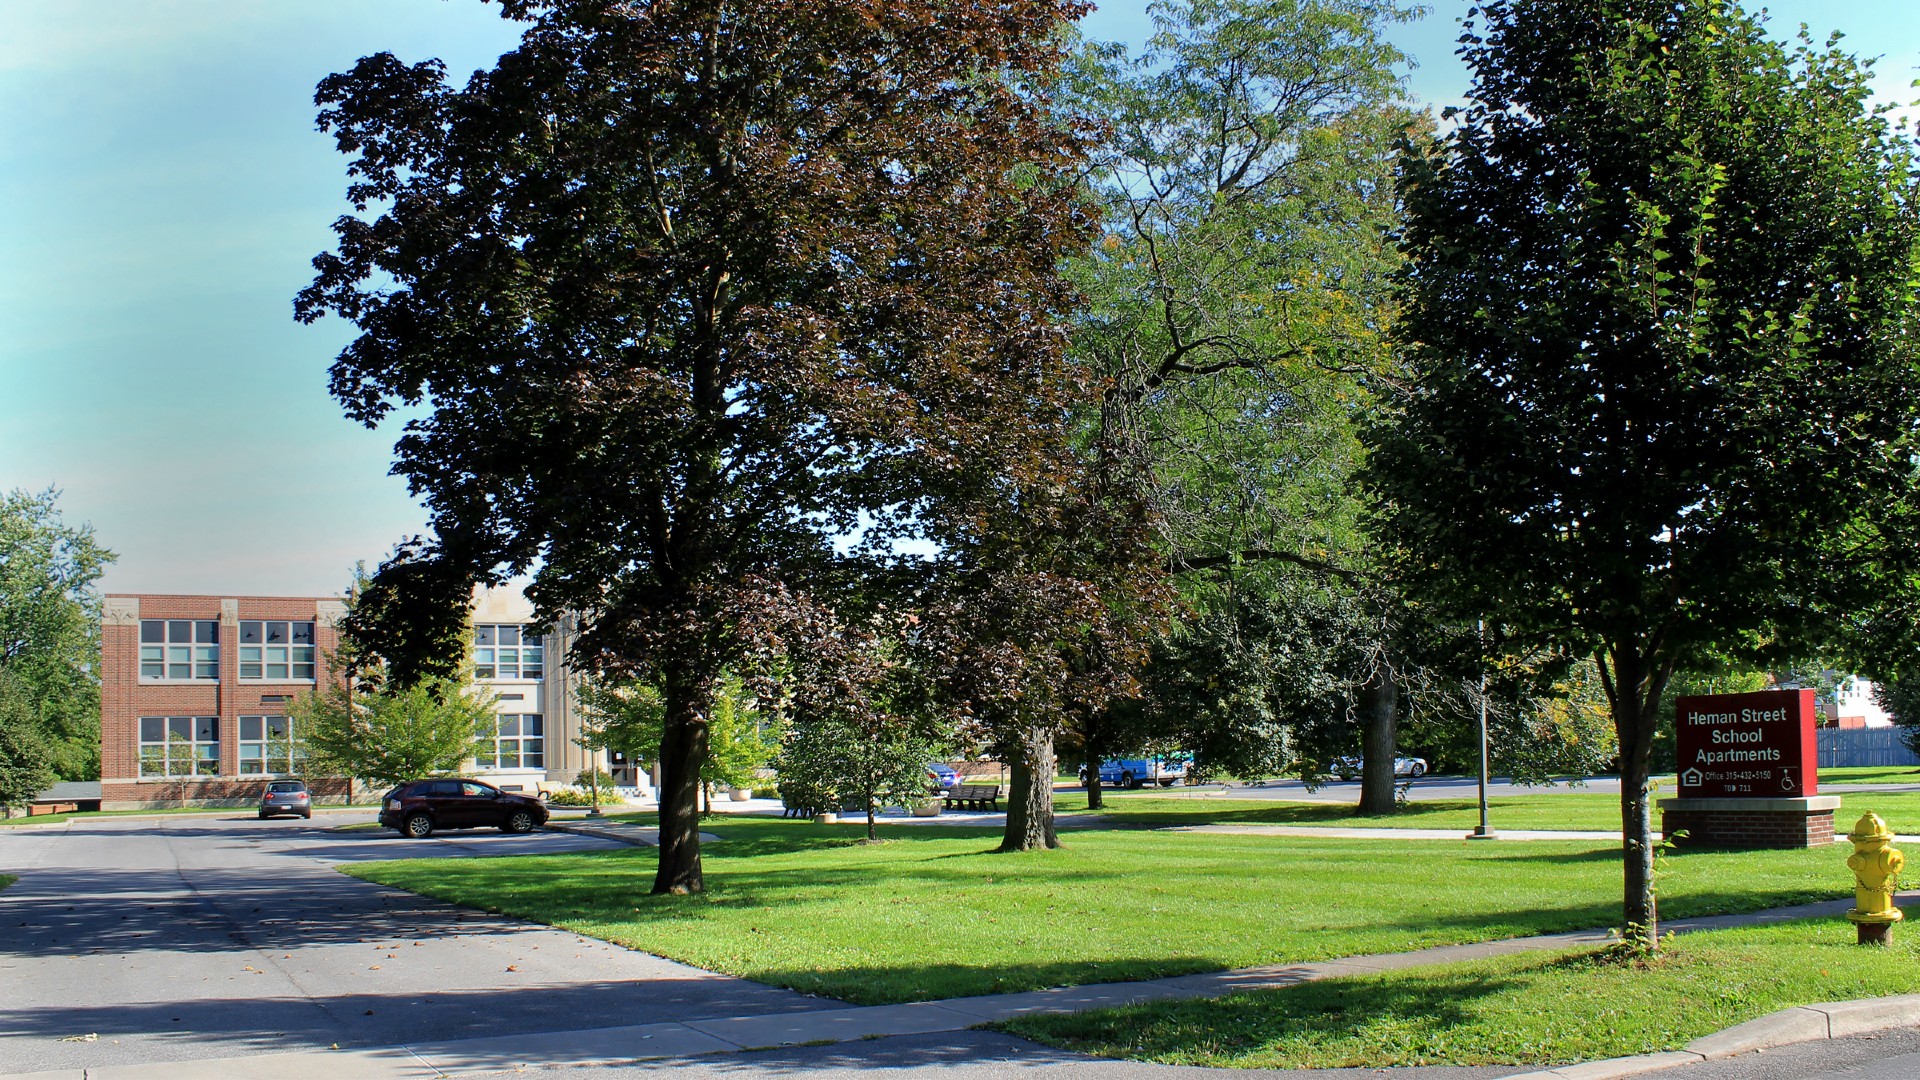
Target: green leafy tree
[
  {"x": 25, "y": 768},
  {"x": 50, "y": 626},
  {"x": 691, "y": 291},
  {"x": 630, "y": 717},
  {"x": 1659, "y": 311},
  {"x": 1236, "y": 312},
  {"x": 390, "y": 736},
  {"x": 856, "y": 729}
]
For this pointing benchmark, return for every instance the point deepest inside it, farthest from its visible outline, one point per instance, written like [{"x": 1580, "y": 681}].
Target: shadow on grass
[{"x": 1322, "y": 1015}]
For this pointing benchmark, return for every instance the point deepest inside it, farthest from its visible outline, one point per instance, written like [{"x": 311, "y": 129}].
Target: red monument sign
[{"x": 1747, "y": 746}]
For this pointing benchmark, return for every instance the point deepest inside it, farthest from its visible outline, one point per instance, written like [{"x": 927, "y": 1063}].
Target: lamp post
[{"x": 1483, "y": 831}]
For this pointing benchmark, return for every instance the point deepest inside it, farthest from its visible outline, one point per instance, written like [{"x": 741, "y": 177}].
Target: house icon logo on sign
[{"x": 1691, "y": 778}]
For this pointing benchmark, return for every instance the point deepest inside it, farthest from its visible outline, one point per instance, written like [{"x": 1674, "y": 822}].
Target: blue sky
[{"x": 162, "y": 189}]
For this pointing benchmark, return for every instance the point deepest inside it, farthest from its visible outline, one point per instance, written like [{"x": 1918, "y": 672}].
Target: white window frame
[
  {"x": 187, "y": 650},
  {"x": 489, "y": 752},
  {"x": 294, "y": 755},
  {"x": 265, "y": 654},
  {"x": 187, "y": 751},
  {"x": 490, "y": 647}
]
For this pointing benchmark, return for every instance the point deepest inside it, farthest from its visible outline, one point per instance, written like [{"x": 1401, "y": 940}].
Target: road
[{"x": 182, "y": 938}]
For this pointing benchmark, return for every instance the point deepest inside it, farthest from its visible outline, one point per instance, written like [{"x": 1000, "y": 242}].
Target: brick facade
[
  {"x": 125, "y": 698},
  {"x": 1749, "y": 823}
]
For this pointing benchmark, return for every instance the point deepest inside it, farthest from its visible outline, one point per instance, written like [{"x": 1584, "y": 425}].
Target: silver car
[{"x": 286, "y": 797}]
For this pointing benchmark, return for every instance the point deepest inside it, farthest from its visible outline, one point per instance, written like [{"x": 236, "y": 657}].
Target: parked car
[
  {"x": 418, "y": 807},
  {"x": 286, "y": 797},
  {"x": 942, "y": 777},
  {"x": 1138, "y": 772},
  {"x": 1348, "y": 768}
]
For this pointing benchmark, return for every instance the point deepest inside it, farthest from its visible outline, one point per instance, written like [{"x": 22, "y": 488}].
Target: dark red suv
[{"x": 418, "y": 807}]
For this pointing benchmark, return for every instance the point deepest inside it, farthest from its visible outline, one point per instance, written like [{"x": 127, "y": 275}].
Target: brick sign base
[{"x": 1750, "y": 823}]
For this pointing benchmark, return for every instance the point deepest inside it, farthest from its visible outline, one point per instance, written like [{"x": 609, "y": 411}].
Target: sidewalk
[{"x": 733, "y": 1034}]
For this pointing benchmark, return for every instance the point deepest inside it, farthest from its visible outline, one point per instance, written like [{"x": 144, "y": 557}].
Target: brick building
[{"x": 194, "y": 691}]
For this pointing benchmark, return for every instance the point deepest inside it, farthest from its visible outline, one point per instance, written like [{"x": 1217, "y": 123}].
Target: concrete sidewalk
[{"x": 732, "y": 1034}]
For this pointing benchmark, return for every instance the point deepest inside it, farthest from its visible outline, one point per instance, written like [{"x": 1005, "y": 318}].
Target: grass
[
  {"x": 1514, "y": 1010},
  {"x": 1871, "y": 774},
  {"x": 1577, "y": 810},
  {"x": 936, "y": 913},
  {"x": 88, "y": 815},
  {"x": 7, "y": 879}
]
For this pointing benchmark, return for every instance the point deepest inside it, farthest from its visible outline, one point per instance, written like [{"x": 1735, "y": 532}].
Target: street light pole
[{"x": 1482, "y": 831}]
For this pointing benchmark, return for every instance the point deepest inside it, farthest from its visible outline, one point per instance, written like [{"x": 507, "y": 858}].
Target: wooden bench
[{"x": 975, "y": 796}]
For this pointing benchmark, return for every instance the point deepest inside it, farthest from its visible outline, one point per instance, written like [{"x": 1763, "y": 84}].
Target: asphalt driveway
[{"x": 183, "y": 938}]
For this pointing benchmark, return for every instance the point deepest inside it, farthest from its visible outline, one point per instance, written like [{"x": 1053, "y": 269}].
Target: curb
[{"x": 1804, "y": 1023}]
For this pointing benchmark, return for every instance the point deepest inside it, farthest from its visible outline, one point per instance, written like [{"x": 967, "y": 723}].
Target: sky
[{"x": 162, "y": 191}]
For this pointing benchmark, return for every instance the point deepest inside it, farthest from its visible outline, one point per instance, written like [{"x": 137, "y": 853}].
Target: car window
[
  {"x": 440, "y": 788},
  {"x": 479, "y": 791},
  {"x": 286, "y": 785}
]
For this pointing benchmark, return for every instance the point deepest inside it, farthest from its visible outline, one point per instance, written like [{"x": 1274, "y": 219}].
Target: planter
[
  {"x": 930, "y": 808},
  {"x": 828, "y": 818},
  {"x": 740, "y": 794}
]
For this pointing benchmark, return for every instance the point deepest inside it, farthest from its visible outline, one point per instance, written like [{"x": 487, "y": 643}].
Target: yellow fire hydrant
[{"x": 1876, "y": 864}]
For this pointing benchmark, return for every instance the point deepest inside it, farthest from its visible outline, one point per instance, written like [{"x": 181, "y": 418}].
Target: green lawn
[
  {"x": 1566, "y": 810},
  {"x": 88, "y": 815},
  {"x": 1874, "y": 774},
  {"x": 934, "y": 913},
  {"x": 1515, "y": 1010},
  {"x": 1579, "y": 810}
]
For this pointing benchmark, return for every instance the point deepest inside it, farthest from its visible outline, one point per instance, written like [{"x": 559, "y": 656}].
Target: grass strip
[
  {"x": 1512, "y": 1010},
  {"x": 7, "y": 879},
  {"x": 1580, "y": 811},
  {"x": 937, "y": 913},
  {"x": 168, "y": 811}
]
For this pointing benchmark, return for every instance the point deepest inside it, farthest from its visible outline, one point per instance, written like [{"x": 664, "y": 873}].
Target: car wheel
[
  {"x": 1166, "y": 783},
  {"x": 1130, "y": 781},
  {"x": 418, "y": 826},
  {"x": 518, "y": 822},
  {"x": 1419, "y": 769},
  {"x": 1083, "y": 778},
  {"x": 308, "y": 816}
]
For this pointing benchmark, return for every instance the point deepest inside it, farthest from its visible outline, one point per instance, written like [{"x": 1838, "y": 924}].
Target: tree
[
  {"x": 25, "y": 769},
  {"x": 1237, "y": 306},
  {"x": 1658, "y": 308},
  {"x": 629, "y": 716},
  {"x": 390, "y": 736},
  {"x": 50, "y": 626},
  {"x": 694, "y": 290}
]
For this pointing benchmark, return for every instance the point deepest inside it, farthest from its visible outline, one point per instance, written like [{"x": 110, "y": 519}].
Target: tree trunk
[
  {"x": 1380, "y": 734},
  {"x": 1030, "y": 803},
  {"x": 1633, "y": 689},
  {"x": 871, "y": 833},
  {"x": 1096, "y": 799},
  {"x": 683, "y": 749}
]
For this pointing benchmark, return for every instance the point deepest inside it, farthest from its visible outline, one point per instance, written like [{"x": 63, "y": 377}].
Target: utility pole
[{"x": 1483, "y": 831}]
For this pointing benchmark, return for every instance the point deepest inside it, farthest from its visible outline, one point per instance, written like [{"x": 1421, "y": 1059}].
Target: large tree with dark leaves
[
  {"x": 1659, "y": 307},
  {"x": 700, "y": 293}
]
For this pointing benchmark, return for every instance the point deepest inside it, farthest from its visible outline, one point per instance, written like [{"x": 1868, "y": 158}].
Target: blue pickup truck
[{"x": 1138, "y": 772}]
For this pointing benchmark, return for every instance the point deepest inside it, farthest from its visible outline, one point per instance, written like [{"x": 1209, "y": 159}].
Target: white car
[{"x": 1348, "y": 768}]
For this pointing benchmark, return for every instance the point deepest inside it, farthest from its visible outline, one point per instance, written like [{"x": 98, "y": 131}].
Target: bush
[
  {"x": 571, "y": 797},
  {"x": 585, "y": 780}
]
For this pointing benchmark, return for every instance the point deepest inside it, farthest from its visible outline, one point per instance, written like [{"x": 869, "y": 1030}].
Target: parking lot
[{"x": 177, "y": 938}]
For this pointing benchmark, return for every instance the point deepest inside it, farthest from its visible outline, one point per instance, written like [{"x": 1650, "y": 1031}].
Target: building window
[
  {"x": 502, "y": 652},
  {"x": 267, "y": 745},
  {"x": 276, "y": 651},
  {"x": 179, "y": 649},
  {"x": 179, "y": 746},
  {"x": 518, "y": 742}
]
